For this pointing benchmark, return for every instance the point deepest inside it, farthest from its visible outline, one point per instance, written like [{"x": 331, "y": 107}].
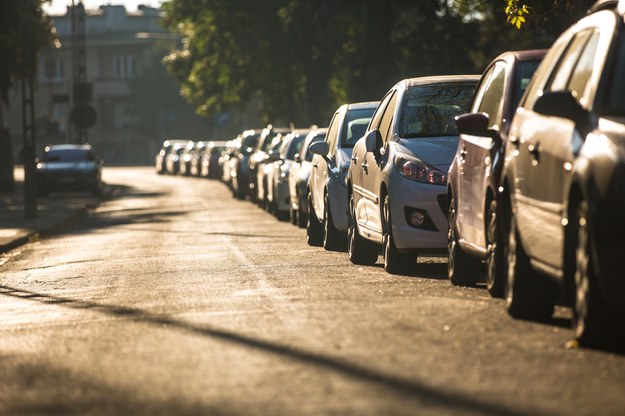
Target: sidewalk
[{"x": 54, "y": 213}]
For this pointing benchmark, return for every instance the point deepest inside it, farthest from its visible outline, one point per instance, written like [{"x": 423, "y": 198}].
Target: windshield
[
  {"x": 295, "y": 146},
  {"x": 355, "y": 126},
  {"x": 430, "y": 110},
  {"x": 68, "y": 155}
]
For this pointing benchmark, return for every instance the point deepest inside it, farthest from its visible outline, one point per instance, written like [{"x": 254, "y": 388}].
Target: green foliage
[
  {"x": 24, "y": 30},
  {"x": 516, "y": 12},
  {"x": 299, "y": 59}
]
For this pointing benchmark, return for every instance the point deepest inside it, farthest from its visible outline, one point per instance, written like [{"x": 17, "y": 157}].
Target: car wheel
[
  {"x": 314, "y": 229},
  {"x": 332, "y": 238},
  {"x": 494, "y": 257},
  {"x": 461, "y": 268},
  {"x": 359, "y": 250},
  {"x": 394, "y": 261},
  {"x": 293, "y": 215},
  {"x": 528, "y": 296},
  {"x": 592, "y": 320}
]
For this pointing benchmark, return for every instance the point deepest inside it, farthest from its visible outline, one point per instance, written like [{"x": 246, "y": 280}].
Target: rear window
[
  {"x": 355, "y": 126},
  {"x": 430, "y": 110},
  {"x": 68, "y": 155}
]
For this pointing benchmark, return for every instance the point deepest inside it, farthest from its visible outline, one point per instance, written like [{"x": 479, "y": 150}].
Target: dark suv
[
  {"x": 475, "y": 172},
  {"x": 564, "y": 182}
]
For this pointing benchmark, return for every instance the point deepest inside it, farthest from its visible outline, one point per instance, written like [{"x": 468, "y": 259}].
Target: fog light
[{"x": 417, "y": 219}]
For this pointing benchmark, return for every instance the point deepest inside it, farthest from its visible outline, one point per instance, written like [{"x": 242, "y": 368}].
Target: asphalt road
[{"x": 173, "y": 298}]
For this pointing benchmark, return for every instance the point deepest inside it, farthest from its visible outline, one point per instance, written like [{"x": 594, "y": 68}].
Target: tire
[
  {"x": 314, "y": 229},
  {"x": 495, "y": 266},
  {"x": 359, "y": 250},
  {"x": 394, "y": 261},
  {"x": 462, "y": 270},
  {"x": 528, "y": 296},
  {"x": 593, "y": 323},
  {"x": 293, "y": 215},
  {"x": 332, "y": 238}
]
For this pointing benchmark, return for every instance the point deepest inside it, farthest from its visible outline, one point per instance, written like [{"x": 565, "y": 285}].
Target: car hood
[{"x": 435, "y": 151}]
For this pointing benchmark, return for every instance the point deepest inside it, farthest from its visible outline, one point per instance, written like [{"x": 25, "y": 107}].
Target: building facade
[{"x": 137, "y": 104}]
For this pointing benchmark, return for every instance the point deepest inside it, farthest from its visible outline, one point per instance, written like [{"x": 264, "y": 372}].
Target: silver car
[
  {"x": 327, "y": 189},
  {"x": 397, "y": 179},
  {"x": 298, "y": 178}
]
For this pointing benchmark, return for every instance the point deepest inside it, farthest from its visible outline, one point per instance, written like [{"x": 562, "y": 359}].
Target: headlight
[{"x": 419, "y": 171}]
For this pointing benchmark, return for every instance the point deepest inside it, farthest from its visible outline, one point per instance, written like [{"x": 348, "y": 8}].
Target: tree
[{"x": 24, "y": 30}]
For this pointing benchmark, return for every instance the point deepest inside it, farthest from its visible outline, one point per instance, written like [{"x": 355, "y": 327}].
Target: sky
[{"x": 60, "y": 6}]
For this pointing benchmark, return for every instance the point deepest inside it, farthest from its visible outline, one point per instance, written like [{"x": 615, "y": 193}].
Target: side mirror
[
  {"x": 319, "y": 148},
  {"x": 563, "y": 104},
  {"x": 373, "y": 140},
  {"x": 476, "y": 124}
]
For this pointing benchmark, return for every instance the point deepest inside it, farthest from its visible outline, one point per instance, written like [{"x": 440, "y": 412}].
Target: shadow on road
[{"x": 410, "y": 388}]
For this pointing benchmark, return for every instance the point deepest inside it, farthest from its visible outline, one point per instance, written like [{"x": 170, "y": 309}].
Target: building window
[
  {"x": 52, "y": 70},
  {"x": 124, "y": 66}
]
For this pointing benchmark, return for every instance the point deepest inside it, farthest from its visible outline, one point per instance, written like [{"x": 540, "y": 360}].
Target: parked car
[
  {"x": 397, "y": 178},
  {"x": 259, "y": 155},
  {"x": 278, "y": 177},
  {"x": 327, "y": 187},
  {"x": 69, "y": 167},
  {"x": 264, "y": 167},
  {"x": 298, "y": 178},
  {"x": 160, "y": 158},
  {"x": 228, "y": 161},
  {"x": 475, "y": 172},
  {"x": 173, "y": 157},
  {"x": 563, "y": 182},
  {"x": 186, "y": 158},
  {"x": 241, "y": 179},
  {"x": 210, "y": 167},
  {"x": 196, "y": 158}
]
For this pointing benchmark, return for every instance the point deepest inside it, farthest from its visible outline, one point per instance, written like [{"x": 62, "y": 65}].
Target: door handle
[
  {"x": 535, "y": 152},
  {"x": 515, "y": 141},
  {"x": 354, "y": 159},
  {"x": 364, "y": 165},
  {"x": 315, "y": 165}
]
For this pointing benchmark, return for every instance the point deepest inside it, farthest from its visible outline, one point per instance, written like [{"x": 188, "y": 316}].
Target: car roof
[
  {"x": 410, "y": 82},
  {"x": 361, "y": 105},
  {"x": 524, "y": 55},
  {"x": 619, "y": 5}
]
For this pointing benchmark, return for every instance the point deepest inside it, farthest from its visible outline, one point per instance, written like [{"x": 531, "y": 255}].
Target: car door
[
  {"x": 547, "y": 147},
  {"x": 373, "y": 165},
  {"x": 359, "y": 164},
  {"x": 474, "y": 153},
  {"x": 320, "y": 167}
]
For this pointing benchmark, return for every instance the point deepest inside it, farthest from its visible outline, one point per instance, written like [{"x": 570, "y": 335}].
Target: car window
[
  {"x": 355, "y": 126},
  {"x": 333, "y": 131},
  {"x": 492, "y": 99},
  {"x": 379, "y": 112},
  {"x": 616, "y": 91},
  {"x": 295, "y": 146},
  {"x": 562, "y": 73},
  {"x": 66, "y": 155},
  {"x": 583, "y": 70},
  {"x": 387, "y": 118},
  {"x": 430, "y": 110},
  {"x": 523, "y": 75},
  {"x": 483, "y": 86}
]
